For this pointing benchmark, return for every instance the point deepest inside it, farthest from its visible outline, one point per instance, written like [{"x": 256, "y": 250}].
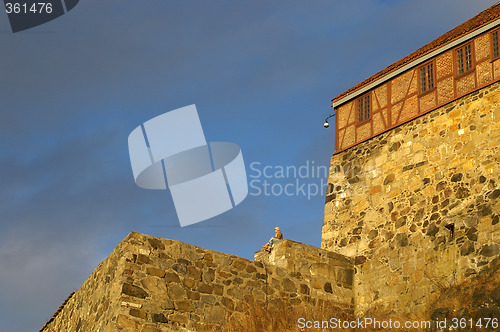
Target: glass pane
[
  {"x": 495, "y": 44},
  {"x": 468, "y": 58},
  {"x": 422, "y": 79},
  {"x": 430, "y": 77},
  {"x": 460, "y": 61}
]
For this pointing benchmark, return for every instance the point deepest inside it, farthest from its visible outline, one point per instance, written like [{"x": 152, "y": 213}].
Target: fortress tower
[{"x": 413, "y": 190}]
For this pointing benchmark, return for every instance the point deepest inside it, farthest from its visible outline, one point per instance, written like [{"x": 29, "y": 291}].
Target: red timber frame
[{"x": 402, "y": 100}]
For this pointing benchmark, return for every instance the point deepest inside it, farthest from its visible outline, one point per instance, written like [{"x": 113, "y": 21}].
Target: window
[
  {"x": 426, "y": 73},
  {"x": 494, "y": 37},
  {"x": 464, "y": 59},
  {"x": 364, "y": 108}
]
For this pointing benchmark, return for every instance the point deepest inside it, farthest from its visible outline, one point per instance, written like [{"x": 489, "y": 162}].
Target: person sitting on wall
[{"x": 277, "y": 236}]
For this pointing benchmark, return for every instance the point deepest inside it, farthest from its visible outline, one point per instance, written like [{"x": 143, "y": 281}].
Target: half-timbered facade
[{"x": 461, "y": 61}]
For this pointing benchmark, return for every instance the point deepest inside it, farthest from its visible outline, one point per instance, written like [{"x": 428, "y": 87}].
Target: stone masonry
[
  {"x": 418, "y": 207},
  {"x": 329, "y": 276},
  {"x": 152, "y": 284}
]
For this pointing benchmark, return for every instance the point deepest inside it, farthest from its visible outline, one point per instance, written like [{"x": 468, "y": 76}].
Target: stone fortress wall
[
  {"x": 152, "y": 284},
  {"x": 418, "y": 207}
]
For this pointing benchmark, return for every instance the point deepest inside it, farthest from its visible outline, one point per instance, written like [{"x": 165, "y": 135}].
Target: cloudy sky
[{"x": 261, "y": 73}]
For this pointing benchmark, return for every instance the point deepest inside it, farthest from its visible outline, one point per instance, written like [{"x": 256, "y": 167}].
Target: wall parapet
[{"x": 328, "y": 269}]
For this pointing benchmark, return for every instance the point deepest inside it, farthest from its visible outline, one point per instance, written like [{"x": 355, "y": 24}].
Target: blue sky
[{"x": 261, "y": 73}]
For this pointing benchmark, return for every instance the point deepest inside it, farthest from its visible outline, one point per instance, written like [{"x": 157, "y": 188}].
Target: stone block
[
  {"x": 228, "y": 303},
  {"x": 179, "y": 317},
  {"x": 139, "y": 313},
  {"x": 127, "y": 322},
  {"x": 172, "y": 277},
  {"x": 154, "y": 285},
  {"x": 192, "y": 295},
  {"x": 288, "y": 285},
  {"x": 235, "y": 292},
  {"x": 193, "y": 273},
  {"x": 216, "y": 315},
  {"x": 176, "y": 291},
  {"x": 143, "y": 259},
  {"x": 304, "y": 289},
  {"x": 155, "y": 272},
  {"x": 148, "y": 327},
  {"x": 134, "y": 291},
  {"x": 239, "y": 265},
  {"x": 490, "y": 250},
  {"x": 205, "y": 288},
  {"x": 224, "y": 274},
  {"x": 209, "y": 275},
  {"x": 183, "y": 305},
  {"x": 189, "y": 283}
]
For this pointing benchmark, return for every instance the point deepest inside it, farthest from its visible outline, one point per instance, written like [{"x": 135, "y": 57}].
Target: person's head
[{"x": 276, "y": 229}]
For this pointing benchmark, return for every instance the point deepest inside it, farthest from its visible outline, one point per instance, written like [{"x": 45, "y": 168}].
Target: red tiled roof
[{"x": 474, "y": 23}]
